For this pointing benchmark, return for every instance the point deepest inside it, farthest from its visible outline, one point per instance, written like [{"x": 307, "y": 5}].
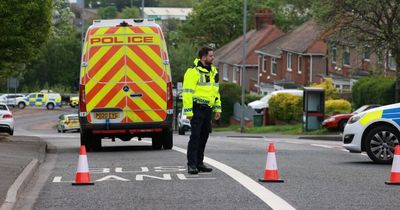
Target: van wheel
[
  {"x": 156, "y": 141},
  {"x": 50, "y": 106},
  {"x": 181, "y": 131},
  {"x": 380, "y": 143},
  {"x": 21, "y": 105},
  {"x": 167, "y": 139}
]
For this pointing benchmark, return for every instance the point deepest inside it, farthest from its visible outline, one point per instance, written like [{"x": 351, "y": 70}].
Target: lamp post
[{"x": 243, "y": 63}]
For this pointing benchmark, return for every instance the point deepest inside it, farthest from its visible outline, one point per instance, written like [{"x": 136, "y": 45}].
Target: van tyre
[
  {"x": 181, "y": 131},
  {"x": 167, "y": 139},
  {"x": 50, "y": 106},
  {"x": 92, "y": 143},
  {"x": 156, "y": 141},
  {"x": 21, "y": 105},
  {"x": 380, "y": 143},
  {"x": 11, "y": 132}
]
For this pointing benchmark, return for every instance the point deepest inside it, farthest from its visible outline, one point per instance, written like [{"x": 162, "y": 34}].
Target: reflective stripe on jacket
[{"x": 200, "y": 86}]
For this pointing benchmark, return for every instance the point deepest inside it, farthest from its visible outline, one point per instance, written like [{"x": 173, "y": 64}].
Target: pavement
[{"x": 20, "y": 157}]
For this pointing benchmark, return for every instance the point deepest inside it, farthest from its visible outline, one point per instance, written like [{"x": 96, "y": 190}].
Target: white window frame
[
  {"x": 334, "y": 54},
  {"x": 299, "y": 62},
  {"x": 390, "y": 57},
  {"x": 289, "y": 62},
  {"x": 235, "y": 69},
  {"x": 225, "y": 72},
  {"x": 273, "y": 62},
  {"x": 264, "y": 64},
  {"x": 346, "y": 51}
]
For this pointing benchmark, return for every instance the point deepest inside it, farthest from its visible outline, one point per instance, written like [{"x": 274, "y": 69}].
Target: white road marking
[
  {"x": 323, "y": 146},
  {"x": 191, "y": 177},
  {"x": 268, "y": 197}
]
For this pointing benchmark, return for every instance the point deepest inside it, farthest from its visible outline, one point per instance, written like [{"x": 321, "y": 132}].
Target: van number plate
[{"x": 106, "y": 115}]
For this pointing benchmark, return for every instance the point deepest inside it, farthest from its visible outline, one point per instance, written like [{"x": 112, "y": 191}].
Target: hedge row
[
  {"x": 286, "y": 107},
  {"x": 373, "y": 90}
]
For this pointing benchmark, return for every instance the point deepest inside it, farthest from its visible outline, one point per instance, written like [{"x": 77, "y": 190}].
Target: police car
[
  {"x": 375, "y": 131},
  {"x": 48, "y": 100}
]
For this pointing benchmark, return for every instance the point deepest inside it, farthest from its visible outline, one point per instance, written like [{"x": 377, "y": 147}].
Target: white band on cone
[
  {"x": 396, "y": 164},
  {"x": 83, "y": 164},
  {"x": 271, "y": 161}
]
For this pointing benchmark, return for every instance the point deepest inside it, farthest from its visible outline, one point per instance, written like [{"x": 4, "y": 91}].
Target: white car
[
  {"x": 258, "y": 105},
  {"x": 375, "y": 131},
  {"x": 6, "y": 119},
  {"x": 183, "y": 123},
  {"x": 10, "y": 99}
]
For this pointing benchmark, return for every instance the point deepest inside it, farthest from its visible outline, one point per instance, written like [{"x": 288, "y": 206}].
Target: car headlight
[{"x": 355, "y": 118}]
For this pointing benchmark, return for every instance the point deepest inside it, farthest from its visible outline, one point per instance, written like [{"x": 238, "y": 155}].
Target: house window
[
  {"x": 264, "y": 66},
  {"x": 346, "y": 56},
  {"x": 273, "y": 66},
  {"x": 225, "y": 72},
  {"x": 299, "y": 64},
  {"x": 289, "y": 62},
  {"x": 391, "y": 62},
  {"x": 234, "y": 74},
  {"x": 334, "y": 52},
  {"x": 366, "y": 53}
]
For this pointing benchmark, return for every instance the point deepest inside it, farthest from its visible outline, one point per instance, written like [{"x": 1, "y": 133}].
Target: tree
[
  {"x": 108, "y": 12},
  {"x": 25, "y": 26},
  {"x": 372, "y": 23},
  {"x": 129, "y": 12},
  {"x": 181, "y": 57}
]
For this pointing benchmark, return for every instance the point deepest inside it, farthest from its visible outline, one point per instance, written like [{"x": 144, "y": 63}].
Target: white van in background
[{"x": 261, "y": 104}]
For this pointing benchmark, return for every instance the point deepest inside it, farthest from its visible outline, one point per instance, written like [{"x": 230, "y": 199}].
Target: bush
[
  {"x": 286, "y": 107},
  {"x": 230, "y": 94},
  {"x": 327, "y": 85},
  {"x": 373, "y": 90},
  {"x": 251, "y": 97},
  {"x": 337, "y": 106}
]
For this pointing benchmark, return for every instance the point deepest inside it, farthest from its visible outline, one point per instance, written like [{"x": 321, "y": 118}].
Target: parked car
[
  {"x": 67, "y": 122},
  {"x": 375, "y": 131},
  {"x": 48, "y": 100},
  {"x": 261, "y": 104},
  {"x": 6, "y": 119},
  {"x": 74, "y": 101},
  {"x": 10, "y": 99},
  {"x": 183, "y": 123},
  {"x": 338, "y": 121}
]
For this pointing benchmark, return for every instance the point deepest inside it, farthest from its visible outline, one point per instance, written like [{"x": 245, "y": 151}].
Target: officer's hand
[{"x": 217, "y": 115}]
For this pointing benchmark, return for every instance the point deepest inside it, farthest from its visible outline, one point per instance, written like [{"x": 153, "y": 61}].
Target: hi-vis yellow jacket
[{"x": 200, "y": 86}]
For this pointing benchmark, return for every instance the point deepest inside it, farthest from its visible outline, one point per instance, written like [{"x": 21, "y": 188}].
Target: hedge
[
  {"x": 287, "y": 107},
  {"x": 337, "y": 106},
  {"x": 374, "y": 90},
  {"x": 230, "y": 94}
]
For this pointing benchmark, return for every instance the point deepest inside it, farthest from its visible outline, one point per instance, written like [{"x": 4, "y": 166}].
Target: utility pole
[
  {"x": 243, "y": 63},
  {"x": 82, "y": 22}
]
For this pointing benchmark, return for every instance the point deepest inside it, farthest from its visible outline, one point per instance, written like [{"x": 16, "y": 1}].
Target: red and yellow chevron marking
[{"x": 120, "y": 56}]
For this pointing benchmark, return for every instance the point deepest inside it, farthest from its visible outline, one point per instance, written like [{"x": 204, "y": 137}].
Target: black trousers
[{"x": 200, "y": 129}]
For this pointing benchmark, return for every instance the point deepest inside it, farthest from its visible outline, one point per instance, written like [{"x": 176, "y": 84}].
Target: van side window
[
  {"x": 32, "y": 96},
  {"x": 40, "y": 95}
]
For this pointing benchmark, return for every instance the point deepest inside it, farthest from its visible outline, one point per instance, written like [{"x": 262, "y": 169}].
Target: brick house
[
  {"x": 228, "y": 58},
  {"x": 297, "y": 58}
]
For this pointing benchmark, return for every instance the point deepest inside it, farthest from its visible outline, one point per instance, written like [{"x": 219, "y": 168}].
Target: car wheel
[
  {"x": 167, "y": 139},
  {"x": 21, "y": 105},
  {"x": 342, "y": 124},
  {"x": 50, "y": 106},
  {"x": 72, "y": 106},
  {"x": 181, "y": 131},
  {"x": 62, "y": 130},
  {"x": 11, "y": 132},
  {"x": 380, "y": 143},
  {"x": 58, "y": 130}
]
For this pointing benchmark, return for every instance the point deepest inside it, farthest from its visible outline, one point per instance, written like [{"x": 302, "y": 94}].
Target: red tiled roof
[{"x": 232, "y": 53}]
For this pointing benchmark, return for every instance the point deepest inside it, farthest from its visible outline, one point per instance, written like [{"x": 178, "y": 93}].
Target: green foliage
[
  {"x": 251, "y": 97},
  {"x": 25, "y": 26},
  {"x": 176, "y": 3},
  {"x": 129, "y": 12},
  {"x": 181, "y": 58},
  {"x": 230, "y": 94},
  {"x": 284, "y": 106},
  {"x": 327, "y": 85},
  {"x": 109, "y": 12},
  {"x": 373, "y": 90},
  {"x": 337, "y": 106}
]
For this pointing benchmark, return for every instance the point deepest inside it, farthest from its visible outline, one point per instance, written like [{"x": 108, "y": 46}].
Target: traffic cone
[
  {"x": 395, "y": 173},
  {"x": 82, "y": 176},
  {"x": 271, "y": 169}
]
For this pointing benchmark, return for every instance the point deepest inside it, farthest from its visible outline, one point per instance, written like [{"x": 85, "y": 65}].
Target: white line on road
[
  {"x": 268, "y": 197},
  {"x": 321, "y": 145}
]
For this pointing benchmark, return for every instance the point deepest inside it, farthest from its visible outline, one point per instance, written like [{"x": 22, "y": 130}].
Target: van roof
[{"x": 115, "y": 22}]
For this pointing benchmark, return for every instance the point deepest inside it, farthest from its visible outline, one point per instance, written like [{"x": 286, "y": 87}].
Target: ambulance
[{"x": 125, "y": 86}]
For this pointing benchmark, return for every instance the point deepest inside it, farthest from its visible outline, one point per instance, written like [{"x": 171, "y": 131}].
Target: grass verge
[{"x": 295, "y": 129}]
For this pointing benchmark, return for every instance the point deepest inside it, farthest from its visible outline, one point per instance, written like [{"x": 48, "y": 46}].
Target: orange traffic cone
[
  {"x": 82, "y": 176},
  {"x": 271, "y": 169},
  {"x": 395, "y": 173}
]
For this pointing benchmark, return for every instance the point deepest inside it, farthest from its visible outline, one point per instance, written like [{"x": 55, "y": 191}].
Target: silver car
[
  {"x": 183, "y": 123},
  {"x": 10, "y": 99}
]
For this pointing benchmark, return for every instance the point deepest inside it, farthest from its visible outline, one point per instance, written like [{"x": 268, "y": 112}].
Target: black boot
[
  {"x": 192, "y": 170},
  {"x": 203, "y": 168}
]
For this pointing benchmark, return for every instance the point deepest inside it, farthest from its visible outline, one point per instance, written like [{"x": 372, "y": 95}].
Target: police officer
[{"x": 200, "y": 99}]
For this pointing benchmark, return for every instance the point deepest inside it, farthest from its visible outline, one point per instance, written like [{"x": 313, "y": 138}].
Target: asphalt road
[{"x": 129, "y": 175}]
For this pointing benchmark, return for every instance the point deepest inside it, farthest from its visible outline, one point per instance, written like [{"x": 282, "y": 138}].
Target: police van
[
  {"x": 375, "y": 131},
  {"x": 125, "y": 84},
  {"x": 41, "y": 99}
]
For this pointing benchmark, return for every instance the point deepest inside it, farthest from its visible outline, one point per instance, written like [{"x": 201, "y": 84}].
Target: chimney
[{"x": 263, "y": 18}]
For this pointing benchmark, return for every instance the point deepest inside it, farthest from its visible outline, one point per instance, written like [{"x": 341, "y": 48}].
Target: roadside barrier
[
  {"x": 271, "y": 173},
  {"x": 395, "y": 172},
  {"x": 82, "y": 176}
]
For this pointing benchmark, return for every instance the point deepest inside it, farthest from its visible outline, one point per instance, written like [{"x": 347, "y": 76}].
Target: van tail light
[
  {"x": 82, "y": 98},
  {"x": 170, "y": 101},
  {"x": 7, "y": 116}
]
